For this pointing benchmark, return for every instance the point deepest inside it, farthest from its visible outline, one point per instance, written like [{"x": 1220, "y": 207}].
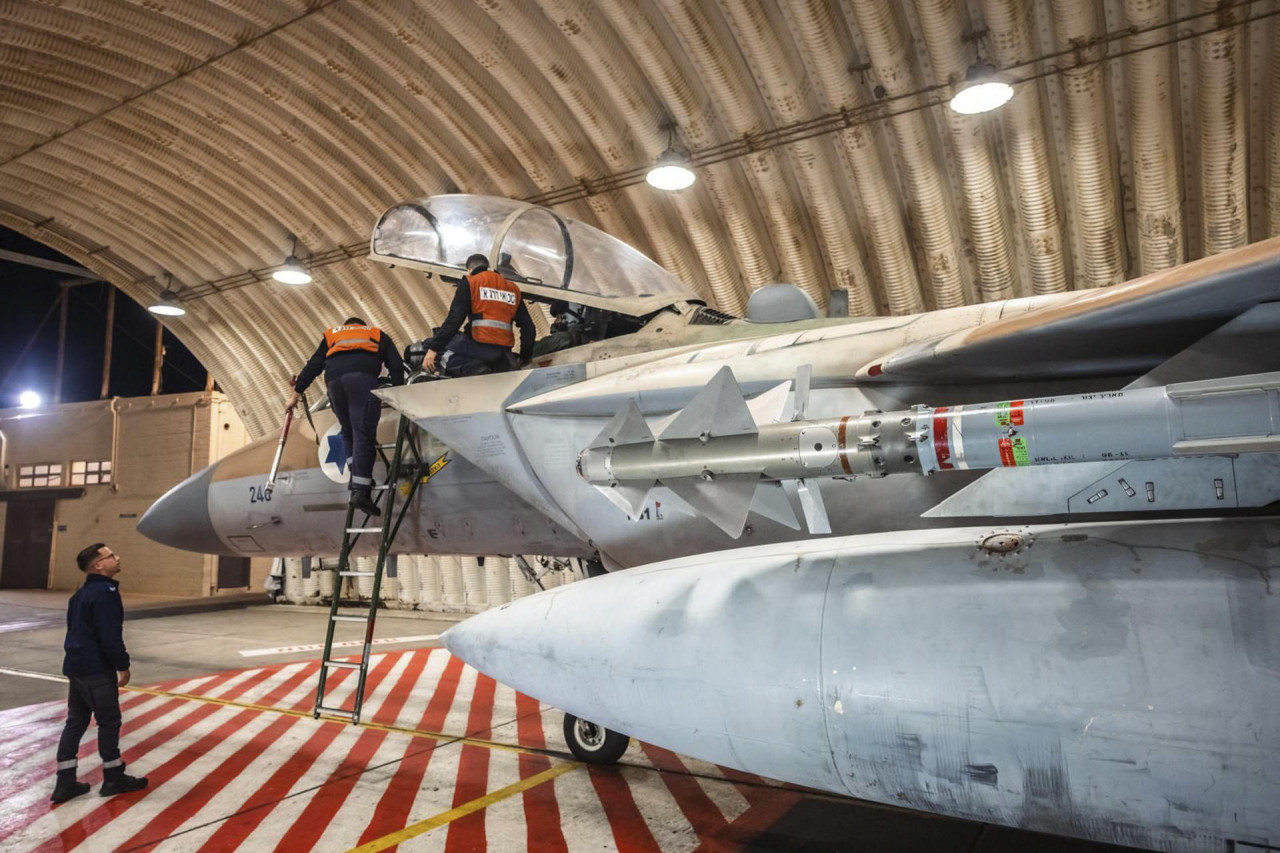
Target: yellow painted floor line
[
  {"x": 444, "y": 818},
  {"x": 289, "y": 712}
]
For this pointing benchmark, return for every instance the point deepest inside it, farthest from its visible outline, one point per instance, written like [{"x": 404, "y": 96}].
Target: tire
[{"x": 592, "y": 743}]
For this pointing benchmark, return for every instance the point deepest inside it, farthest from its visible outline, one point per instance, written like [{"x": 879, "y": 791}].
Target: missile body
[
  {"x": 1116, "y": 682},
  {"x": 1222, "y": 416}
]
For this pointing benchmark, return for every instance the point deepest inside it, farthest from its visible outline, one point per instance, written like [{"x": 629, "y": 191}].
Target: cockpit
[{"x": 550, "y": 257}]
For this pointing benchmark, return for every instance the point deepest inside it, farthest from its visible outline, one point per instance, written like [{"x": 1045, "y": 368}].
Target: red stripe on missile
[
  {"x": 844, "y": 455},
  {"x": 941, "y": 443},
  {"x": 1006, "y": 453}
]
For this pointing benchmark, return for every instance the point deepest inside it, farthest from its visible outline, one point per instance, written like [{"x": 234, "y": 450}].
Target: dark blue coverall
[
  {"x": 351, "y": 378},
  {"x": 95, "y": 652}
]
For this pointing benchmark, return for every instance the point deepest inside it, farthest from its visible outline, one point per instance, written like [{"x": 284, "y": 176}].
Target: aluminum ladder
[{"x": 385, "y": 498}]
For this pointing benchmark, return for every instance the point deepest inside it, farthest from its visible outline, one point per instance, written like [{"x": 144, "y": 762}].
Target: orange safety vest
[
  {"x": 352, "y": 339},
  {"x": 494, "y": 302}
]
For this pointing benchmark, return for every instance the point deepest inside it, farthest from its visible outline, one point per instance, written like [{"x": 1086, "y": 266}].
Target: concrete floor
[{"x": 451, "y": 760}]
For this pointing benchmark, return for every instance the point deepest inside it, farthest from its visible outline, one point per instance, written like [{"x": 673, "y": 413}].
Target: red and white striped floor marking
[
  {"x": 25, "y": 791},
  {"x": 228, "y": 776}
]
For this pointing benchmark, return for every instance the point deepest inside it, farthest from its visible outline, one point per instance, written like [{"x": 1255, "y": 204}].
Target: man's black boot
[
  {"x": 363, "y": 501},
  {"x": 67, "y": 787},
  {"x": 114, "y": 781}
]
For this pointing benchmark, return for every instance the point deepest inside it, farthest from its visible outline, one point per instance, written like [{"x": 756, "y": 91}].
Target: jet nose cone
[
  {"x": 180, "y": 518},
  {"x": 471, "y": 638}
]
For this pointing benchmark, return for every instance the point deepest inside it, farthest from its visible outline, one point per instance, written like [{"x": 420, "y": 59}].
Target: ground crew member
[
  {"x": 494, "y": 307},
  {"x": 352, "y": 356},
  {"x": 97, "y": 665}
]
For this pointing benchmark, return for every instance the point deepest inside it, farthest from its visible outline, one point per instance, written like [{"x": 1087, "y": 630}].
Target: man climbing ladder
[{"x": 351, "y": 356}]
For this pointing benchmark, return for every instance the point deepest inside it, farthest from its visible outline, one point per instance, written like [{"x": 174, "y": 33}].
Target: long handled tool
[{"x": 275, "y": 463}]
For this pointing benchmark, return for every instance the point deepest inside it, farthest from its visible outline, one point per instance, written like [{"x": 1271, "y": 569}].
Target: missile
[
  {"x": 1118, "y": 682},
  {"x": 719, "y": 449}
]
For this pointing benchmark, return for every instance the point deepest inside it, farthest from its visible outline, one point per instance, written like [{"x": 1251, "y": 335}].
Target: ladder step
[
  {"x": 341, "y": 664},
  {"x": 364, "y": 529},
  {"x": 386, "y": 446},
  {"x": 350, "y": 618},
  {"x": 357, "y": 574},
  {"x": 336, "y": 712}
]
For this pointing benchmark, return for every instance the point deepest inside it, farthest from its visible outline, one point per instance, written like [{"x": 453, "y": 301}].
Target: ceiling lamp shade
[
  {"x": 293, "y": 272},
  {"x": 167, "y": 305},
  {"x": 982, "y": 91},
  {"x": 672, "y": 171}
]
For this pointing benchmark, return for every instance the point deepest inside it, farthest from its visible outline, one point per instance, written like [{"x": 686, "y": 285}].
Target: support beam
[
  {"x": 106, "y": 350},
  {"x": 44, "y": 264},
  {"x": 158, "y": 365},
  {"x": 64, "y": 299}
]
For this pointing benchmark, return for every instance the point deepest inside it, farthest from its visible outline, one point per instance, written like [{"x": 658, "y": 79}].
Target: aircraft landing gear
[
  {"x": 593, "y": 568},
  {"x": 592, "y": 743}
]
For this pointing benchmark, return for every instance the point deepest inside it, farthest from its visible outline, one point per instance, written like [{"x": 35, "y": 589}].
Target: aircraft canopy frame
[{"x": 547, "y": 255}]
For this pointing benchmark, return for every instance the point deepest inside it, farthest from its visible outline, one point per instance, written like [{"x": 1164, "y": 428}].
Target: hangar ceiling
[{"x": 196, "y": 138}]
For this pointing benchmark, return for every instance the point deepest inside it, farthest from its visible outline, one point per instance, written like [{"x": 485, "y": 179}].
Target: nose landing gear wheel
[{"x": 592, "y": 743}]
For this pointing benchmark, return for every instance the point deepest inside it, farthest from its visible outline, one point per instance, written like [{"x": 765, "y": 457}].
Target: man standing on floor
[
  {"x": 97, "y": 665},
  {"x": 351, "y": 356}
]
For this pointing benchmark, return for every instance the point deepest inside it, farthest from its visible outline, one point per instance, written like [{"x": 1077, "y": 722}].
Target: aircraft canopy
[{"x": 543, "y": 252}]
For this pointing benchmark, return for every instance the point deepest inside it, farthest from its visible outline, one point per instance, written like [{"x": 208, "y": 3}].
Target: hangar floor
[{"x": 219, "y": 720}]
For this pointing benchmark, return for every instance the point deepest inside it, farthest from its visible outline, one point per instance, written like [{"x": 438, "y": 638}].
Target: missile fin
[
  {"x": 718, "y": 409},
  {"x": 815, "y": 510},
  {"x": 804, "y": 373},
  {"x": 770, "y": 407},
  {"x": 627, "y": 426},
  {"x": 628, "y": 496},
  {"x": 725, "y": 501},
  {"x": 771, "y": 502}
]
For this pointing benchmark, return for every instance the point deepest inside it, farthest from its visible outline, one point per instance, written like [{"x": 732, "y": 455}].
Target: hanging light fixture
[
  {"x": 674, "y": 169},
  {"x": 981, "y": 91},
  {"x": 167, "y": 304},
  {"x": 293, "y": 272}
]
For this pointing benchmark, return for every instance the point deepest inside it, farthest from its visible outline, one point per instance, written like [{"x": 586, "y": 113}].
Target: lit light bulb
[
  {"x": 293, "y": 272},
  {"x": 671, "y": 172},
  {"x": 167, "y": 305},
  {"x": 29, "y": 400},
  {"x": 981, "y": 91}
]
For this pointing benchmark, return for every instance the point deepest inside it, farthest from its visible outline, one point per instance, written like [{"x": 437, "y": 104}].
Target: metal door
[
  {"x": 28, "y": 541},
  {"x": 233, "y": 572}
]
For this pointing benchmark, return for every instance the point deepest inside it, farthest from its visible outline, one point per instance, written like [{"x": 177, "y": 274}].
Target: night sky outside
[{"x": 31, "y": 293}]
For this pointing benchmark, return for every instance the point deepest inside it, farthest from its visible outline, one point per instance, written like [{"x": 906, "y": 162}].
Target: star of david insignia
[{"x": 337, "y": 453}]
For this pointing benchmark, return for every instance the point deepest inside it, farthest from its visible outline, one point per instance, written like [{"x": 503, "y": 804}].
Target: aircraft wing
[{"x": 1127, "y": 328}]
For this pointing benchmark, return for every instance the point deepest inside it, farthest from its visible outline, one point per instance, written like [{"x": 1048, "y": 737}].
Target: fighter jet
[
  {"x": 532, "y": 461},
  {"x": 1009, "y": 561}
]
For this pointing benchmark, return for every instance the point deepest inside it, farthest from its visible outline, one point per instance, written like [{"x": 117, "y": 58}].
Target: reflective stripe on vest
[
  {"x": 352, "y": 339},
  {"x": 494, "y": 302}
]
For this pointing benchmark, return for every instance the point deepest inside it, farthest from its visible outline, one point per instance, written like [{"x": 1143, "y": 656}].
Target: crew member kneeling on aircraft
[
  {"x": 494, "y": 307},
  {"x": 352, "y": 356}
]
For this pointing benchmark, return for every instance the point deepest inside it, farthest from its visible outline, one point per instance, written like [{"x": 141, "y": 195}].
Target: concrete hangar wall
[{"x": 98, "y": 466}]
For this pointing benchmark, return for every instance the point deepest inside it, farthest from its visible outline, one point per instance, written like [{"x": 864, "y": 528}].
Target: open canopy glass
[{"x": 535, "y": 247}]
